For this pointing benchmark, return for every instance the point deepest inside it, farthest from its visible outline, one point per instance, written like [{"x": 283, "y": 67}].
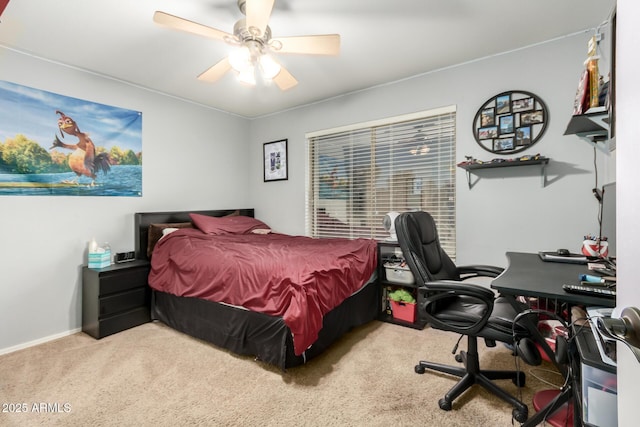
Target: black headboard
[{"x": 143, "y": 220}]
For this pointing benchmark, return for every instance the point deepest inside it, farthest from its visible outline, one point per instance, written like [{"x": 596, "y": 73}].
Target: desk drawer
[{"x": 124, "y": 301}]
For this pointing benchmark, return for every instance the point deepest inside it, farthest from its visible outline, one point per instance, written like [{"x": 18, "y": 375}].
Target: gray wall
[
  {"x": 44, "y": 238},
  {"x": 193, "y": 158},
  {"x": 507, "y": 209}
]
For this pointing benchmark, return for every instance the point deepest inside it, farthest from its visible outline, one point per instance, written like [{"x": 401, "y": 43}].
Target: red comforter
[{"x": 297, "y": 278}]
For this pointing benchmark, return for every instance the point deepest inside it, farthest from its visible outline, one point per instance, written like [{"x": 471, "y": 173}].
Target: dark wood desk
[{"x": 529, "y": 276}]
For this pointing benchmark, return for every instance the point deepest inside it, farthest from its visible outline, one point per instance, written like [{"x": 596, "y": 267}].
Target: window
[{"x": 357, "y": 174}]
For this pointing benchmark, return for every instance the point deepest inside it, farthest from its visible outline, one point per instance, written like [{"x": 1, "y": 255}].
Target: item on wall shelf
[
  {"x": 471, "y": 161},
  {"x": 472, "y": 164},
  {"x": 276, "y": 164},
  {"x": 592, "y": 95},
  {"x": 510, "y": 122},
  {"x": 581, "y": 103},
  {"x": 594, "y": 74}
]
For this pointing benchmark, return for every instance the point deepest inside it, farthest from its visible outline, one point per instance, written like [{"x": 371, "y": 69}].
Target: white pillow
[
  {"x": 168, "y": 231},
  {"x": 261, "y": 231}
]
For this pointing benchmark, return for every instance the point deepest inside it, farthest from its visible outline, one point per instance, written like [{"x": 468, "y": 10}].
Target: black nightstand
[{"x": 115, "y": 298}]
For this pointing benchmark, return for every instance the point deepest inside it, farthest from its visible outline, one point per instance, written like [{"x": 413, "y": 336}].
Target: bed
[{"x": 266, "y": 330}]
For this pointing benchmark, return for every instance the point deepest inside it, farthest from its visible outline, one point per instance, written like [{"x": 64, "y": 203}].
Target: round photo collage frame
[{"x": 510, "y": 122}]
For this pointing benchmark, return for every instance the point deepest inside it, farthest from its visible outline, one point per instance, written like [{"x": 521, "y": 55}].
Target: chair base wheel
[
  {"x": 444, "y": 404},
  {"x": 458, "y": 358},
  {"x": 419, "y": 369},
  {"x": 520, "y": 415}
]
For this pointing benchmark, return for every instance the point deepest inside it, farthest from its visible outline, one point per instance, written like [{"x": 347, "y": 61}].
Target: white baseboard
[{"x": 38, "y": 341}]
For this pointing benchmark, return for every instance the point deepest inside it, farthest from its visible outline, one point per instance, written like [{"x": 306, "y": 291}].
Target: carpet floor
[{"x": 153, "y": 375}]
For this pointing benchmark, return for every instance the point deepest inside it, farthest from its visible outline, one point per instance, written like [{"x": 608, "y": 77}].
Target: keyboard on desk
[{"x": 593, "y": 290}]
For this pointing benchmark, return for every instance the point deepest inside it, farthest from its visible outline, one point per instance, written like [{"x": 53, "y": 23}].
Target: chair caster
[
  {"x": 445, "y": 405},
  {"x": 458, "y": 358},
  {"x": 419, "y": 369},
  {"x": 520, "y": 415},
  {"x": 521, "y": 380}
]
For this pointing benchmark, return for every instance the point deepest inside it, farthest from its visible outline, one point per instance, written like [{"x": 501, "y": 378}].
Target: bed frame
[{"x": 241, "y": 331}]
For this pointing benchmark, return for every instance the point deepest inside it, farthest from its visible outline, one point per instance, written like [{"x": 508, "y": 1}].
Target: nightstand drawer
[
  {"x": 124, "y": 301},
  {"x": 123, "y": 280},
  {"x": 120, "y": 322}
]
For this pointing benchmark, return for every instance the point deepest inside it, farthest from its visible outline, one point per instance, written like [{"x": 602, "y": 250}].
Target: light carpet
[{"x": 153, "y": 375}]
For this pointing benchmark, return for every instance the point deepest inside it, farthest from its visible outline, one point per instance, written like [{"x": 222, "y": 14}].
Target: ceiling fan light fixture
[
  {"x": 269, "y": 67},
  {"x": 240, "y": 59},
  {"x": 251, "y": 59},
  {"x": 247, "y": 76}
]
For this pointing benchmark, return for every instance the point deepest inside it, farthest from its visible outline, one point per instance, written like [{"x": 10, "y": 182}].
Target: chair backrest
[{"x": 418, "y": 239}]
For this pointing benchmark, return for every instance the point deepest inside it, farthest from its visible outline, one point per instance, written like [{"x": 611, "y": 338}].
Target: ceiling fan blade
[
  {"x": 325, "y": 44},
  {"x": 284, "y": 79},
  {"x": 182, "y": 24},
  {"x": 214, "y": 73},
  {"x": 258, "y": 13}
]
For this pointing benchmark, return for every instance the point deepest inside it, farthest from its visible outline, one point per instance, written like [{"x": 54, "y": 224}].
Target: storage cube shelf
[{"x": 393, "y": 275}]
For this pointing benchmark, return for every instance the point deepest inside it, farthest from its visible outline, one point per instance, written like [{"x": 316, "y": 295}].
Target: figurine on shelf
[{"x": 469, "y": 161}]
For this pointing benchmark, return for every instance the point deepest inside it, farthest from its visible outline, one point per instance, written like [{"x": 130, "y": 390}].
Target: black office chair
[{"x": 469, "y": 309}]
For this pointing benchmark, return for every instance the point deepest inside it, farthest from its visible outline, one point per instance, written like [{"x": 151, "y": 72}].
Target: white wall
[
  {"x": 508, "y": 209},
  {"x": 628, "y": 209},
  {"x": 193, "y": 158}
]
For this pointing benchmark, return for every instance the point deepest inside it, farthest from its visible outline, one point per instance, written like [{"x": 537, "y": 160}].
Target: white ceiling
[{"x": 381, "y": 41}]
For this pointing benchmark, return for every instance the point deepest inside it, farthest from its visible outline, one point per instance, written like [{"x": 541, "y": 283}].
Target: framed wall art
[
  {"x": 510, "y": 122},
  {"x": 275, "y": 160}
]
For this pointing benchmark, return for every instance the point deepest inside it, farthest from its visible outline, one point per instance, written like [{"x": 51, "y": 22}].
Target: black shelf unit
[
  {"x": 541, "y": 161},
  {"x": 386, "y": 252}
]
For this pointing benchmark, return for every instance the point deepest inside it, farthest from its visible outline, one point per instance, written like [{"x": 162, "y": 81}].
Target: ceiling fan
[{"x": 254, "y": 44}]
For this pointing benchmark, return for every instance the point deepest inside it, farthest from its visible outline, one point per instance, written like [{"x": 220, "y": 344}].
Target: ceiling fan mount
[
  {"x": 243, "y": 34},
  {"x": 254, "y": 36}
]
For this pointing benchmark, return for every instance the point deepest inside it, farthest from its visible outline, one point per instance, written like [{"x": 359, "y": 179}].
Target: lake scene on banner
[{"x": 52, "y": 144}]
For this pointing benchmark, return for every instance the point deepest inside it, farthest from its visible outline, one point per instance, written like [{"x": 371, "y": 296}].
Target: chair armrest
[
  {"x": 442, "y": 290},
  {"x": 480, "y": 270}
]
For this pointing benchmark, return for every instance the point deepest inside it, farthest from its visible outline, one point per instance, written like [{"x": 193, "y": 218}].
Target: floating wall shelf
[
  {"x": 592, "y": 126},
  {"x": 542, "y": 161}
]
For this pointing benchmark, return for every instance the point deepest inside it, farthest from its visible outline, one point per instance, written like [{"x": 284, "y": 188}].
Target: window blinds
[{"x": 357, "y": 174}]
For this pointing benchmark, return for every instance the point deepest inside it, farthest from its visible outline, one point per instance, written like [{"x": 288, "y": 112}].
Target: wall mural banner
[{"x": 56, "y": 145}]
